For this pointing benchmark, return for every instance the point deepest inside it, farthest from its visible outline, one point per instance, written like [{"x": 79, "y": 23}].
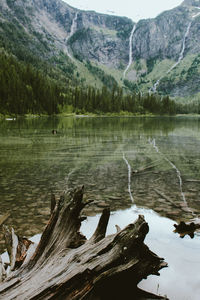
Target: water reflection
[
  {"x": 34, "y": 162},
  {"x": 91, "y": 151},
  {"x": 181, "y": 279}
]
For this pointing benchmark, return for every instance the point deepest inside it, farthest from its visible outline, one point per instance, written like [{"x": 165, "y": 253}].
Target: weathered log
[
  {"x": 2, "y": 271},
  {"x": 145, "y": 168},
  {"x": 4, "y": 218},
  {"x": 167, "y": 199},
  {"x": 193, "y": 180},
  {"x": 17, "y": 247},
  {"x": 65, "y": 265}
]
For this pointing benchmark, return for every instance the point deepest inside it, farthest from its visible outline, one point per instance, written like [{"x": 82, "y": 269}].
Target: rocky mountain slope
[
  {"x": 163, "y": 54},
  {"x": 169, "y": 51}
]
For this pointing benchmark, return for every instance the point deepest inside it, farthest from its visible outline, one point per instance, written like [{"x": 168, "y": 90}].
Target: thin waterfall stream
[
  {"x": 181, "y": 55},
  {"x": 130, "y": 50},
  {"x": 129, "y": 177},
  {"x": 72, "y": 31},
  {"x": 183, "y": 48},
  {"x": 154, "y": 88}
]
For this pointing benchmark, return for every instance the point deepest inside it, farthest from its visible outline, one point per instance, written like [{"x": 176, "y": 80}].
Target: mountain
[
  {"x": 84, "y": 47},
  {"x": 169, "y": 51},
  {"x": 56, "y": 34}
]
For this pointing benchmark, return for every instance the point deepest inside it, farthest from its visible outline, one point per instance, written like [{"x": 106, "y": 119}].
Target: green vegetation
[
  {"x": 124, "y": 32},
  {"x": 25, "y": 90},
  {"x": 106, "y": 79},
  {"x": 150, "y": 64},
  {"x": 186, "y": 106},
  {"x": 37, "y": 78},
  {"x": 181, "y": 81},
  {"x": 37, "y": 50},
  {"x": 132, "y": 86},
  {"x": 105, "y": 31},
  {"x": 27, "y": 37},
  {"x": 81, "y": 35}
]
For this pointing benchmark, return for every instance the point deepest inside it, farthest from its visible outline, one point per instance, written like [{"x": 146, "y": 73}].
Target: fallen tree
[{"x": 65, "y": 265}]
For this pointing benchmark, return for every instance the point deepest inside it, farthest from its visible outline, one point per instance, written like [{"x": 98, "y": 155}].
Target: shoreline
[{"x": 92, "y": 115}]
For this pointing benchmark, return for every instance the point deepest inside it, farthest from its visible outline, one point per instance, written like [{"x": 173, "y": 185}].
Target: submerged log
[
  {"x": 65, "y": 265},
  {"x": 141, "y": 170},
  {"x": 161, "y": 194}
]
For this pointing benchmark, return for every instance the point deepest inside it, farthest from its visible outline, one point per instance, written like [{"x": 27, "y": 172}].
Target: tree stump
[{"x": 65, "y": 265}]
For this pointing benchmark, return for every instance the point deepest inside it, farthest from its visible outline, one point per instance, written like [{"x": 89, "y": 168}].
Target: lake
[{"x": 148, "y": 166}]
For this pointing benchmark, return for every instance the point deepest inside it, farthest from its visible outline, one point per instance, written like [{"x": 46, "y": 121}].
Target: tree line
[
  {"x": 116, "y": 101},
  {"x": 24, "y": 89}
]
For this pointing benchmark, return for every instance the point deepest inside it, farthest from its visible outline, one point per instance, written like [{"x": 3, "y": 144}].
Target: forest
[{"x": 25, "y": 89}]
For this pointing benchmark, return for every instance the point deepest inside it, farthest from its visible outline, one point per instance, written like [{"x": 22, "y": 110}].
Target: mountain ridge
[{"x": 43, "y": 29}]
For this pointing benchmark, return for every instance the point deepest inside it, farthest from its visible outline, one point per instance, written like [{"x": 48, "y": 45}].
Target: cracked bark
[{"x": 65, "y": 265}]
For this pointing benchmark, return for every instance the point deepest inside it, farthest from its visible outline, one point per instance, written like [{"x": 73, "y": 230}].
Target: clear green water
[{"x": 162, "y": 156}]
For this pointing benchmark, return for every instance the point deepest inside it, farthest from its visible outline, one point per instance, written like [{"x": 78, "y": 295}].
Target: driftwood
[
  {"x": 167, "y": 199},
  {"x": 65, "y": 265},
  {"x": 146, "y": 168},
  {"x": 4, "y": 218},
  {"x": 193, "y": 180}
]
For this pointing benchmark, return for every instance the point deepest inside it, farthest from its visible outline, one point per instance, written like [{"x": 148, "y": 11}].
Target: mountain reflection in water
[{"x": 115, "y": 159}]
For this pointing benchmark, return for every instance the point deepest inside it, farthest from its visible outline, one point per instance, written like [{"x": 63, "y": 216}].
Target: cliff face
[
  {"x": 170, "y": 48},
  {"x": 45, "y": 28},
  {"x": 102, "y": 39},
  {"x": 95, "y": 36},
  {"x": 161, "y": 37}
]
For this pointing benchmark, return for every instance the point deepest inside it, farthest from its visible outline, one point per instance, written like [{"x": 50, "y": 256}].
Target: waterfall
[
  {"x": 154, "y": 88},
  {"x": 183, "y": 48},
  {"x": 197, "y": 13},
  {"x": 130, "y": 50},
  {"x": 129, "y": 177},
  {"x": 153, "y": 142},
  {"x": 183, "y": 44},
  {"x": 72, "y": 31}
]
